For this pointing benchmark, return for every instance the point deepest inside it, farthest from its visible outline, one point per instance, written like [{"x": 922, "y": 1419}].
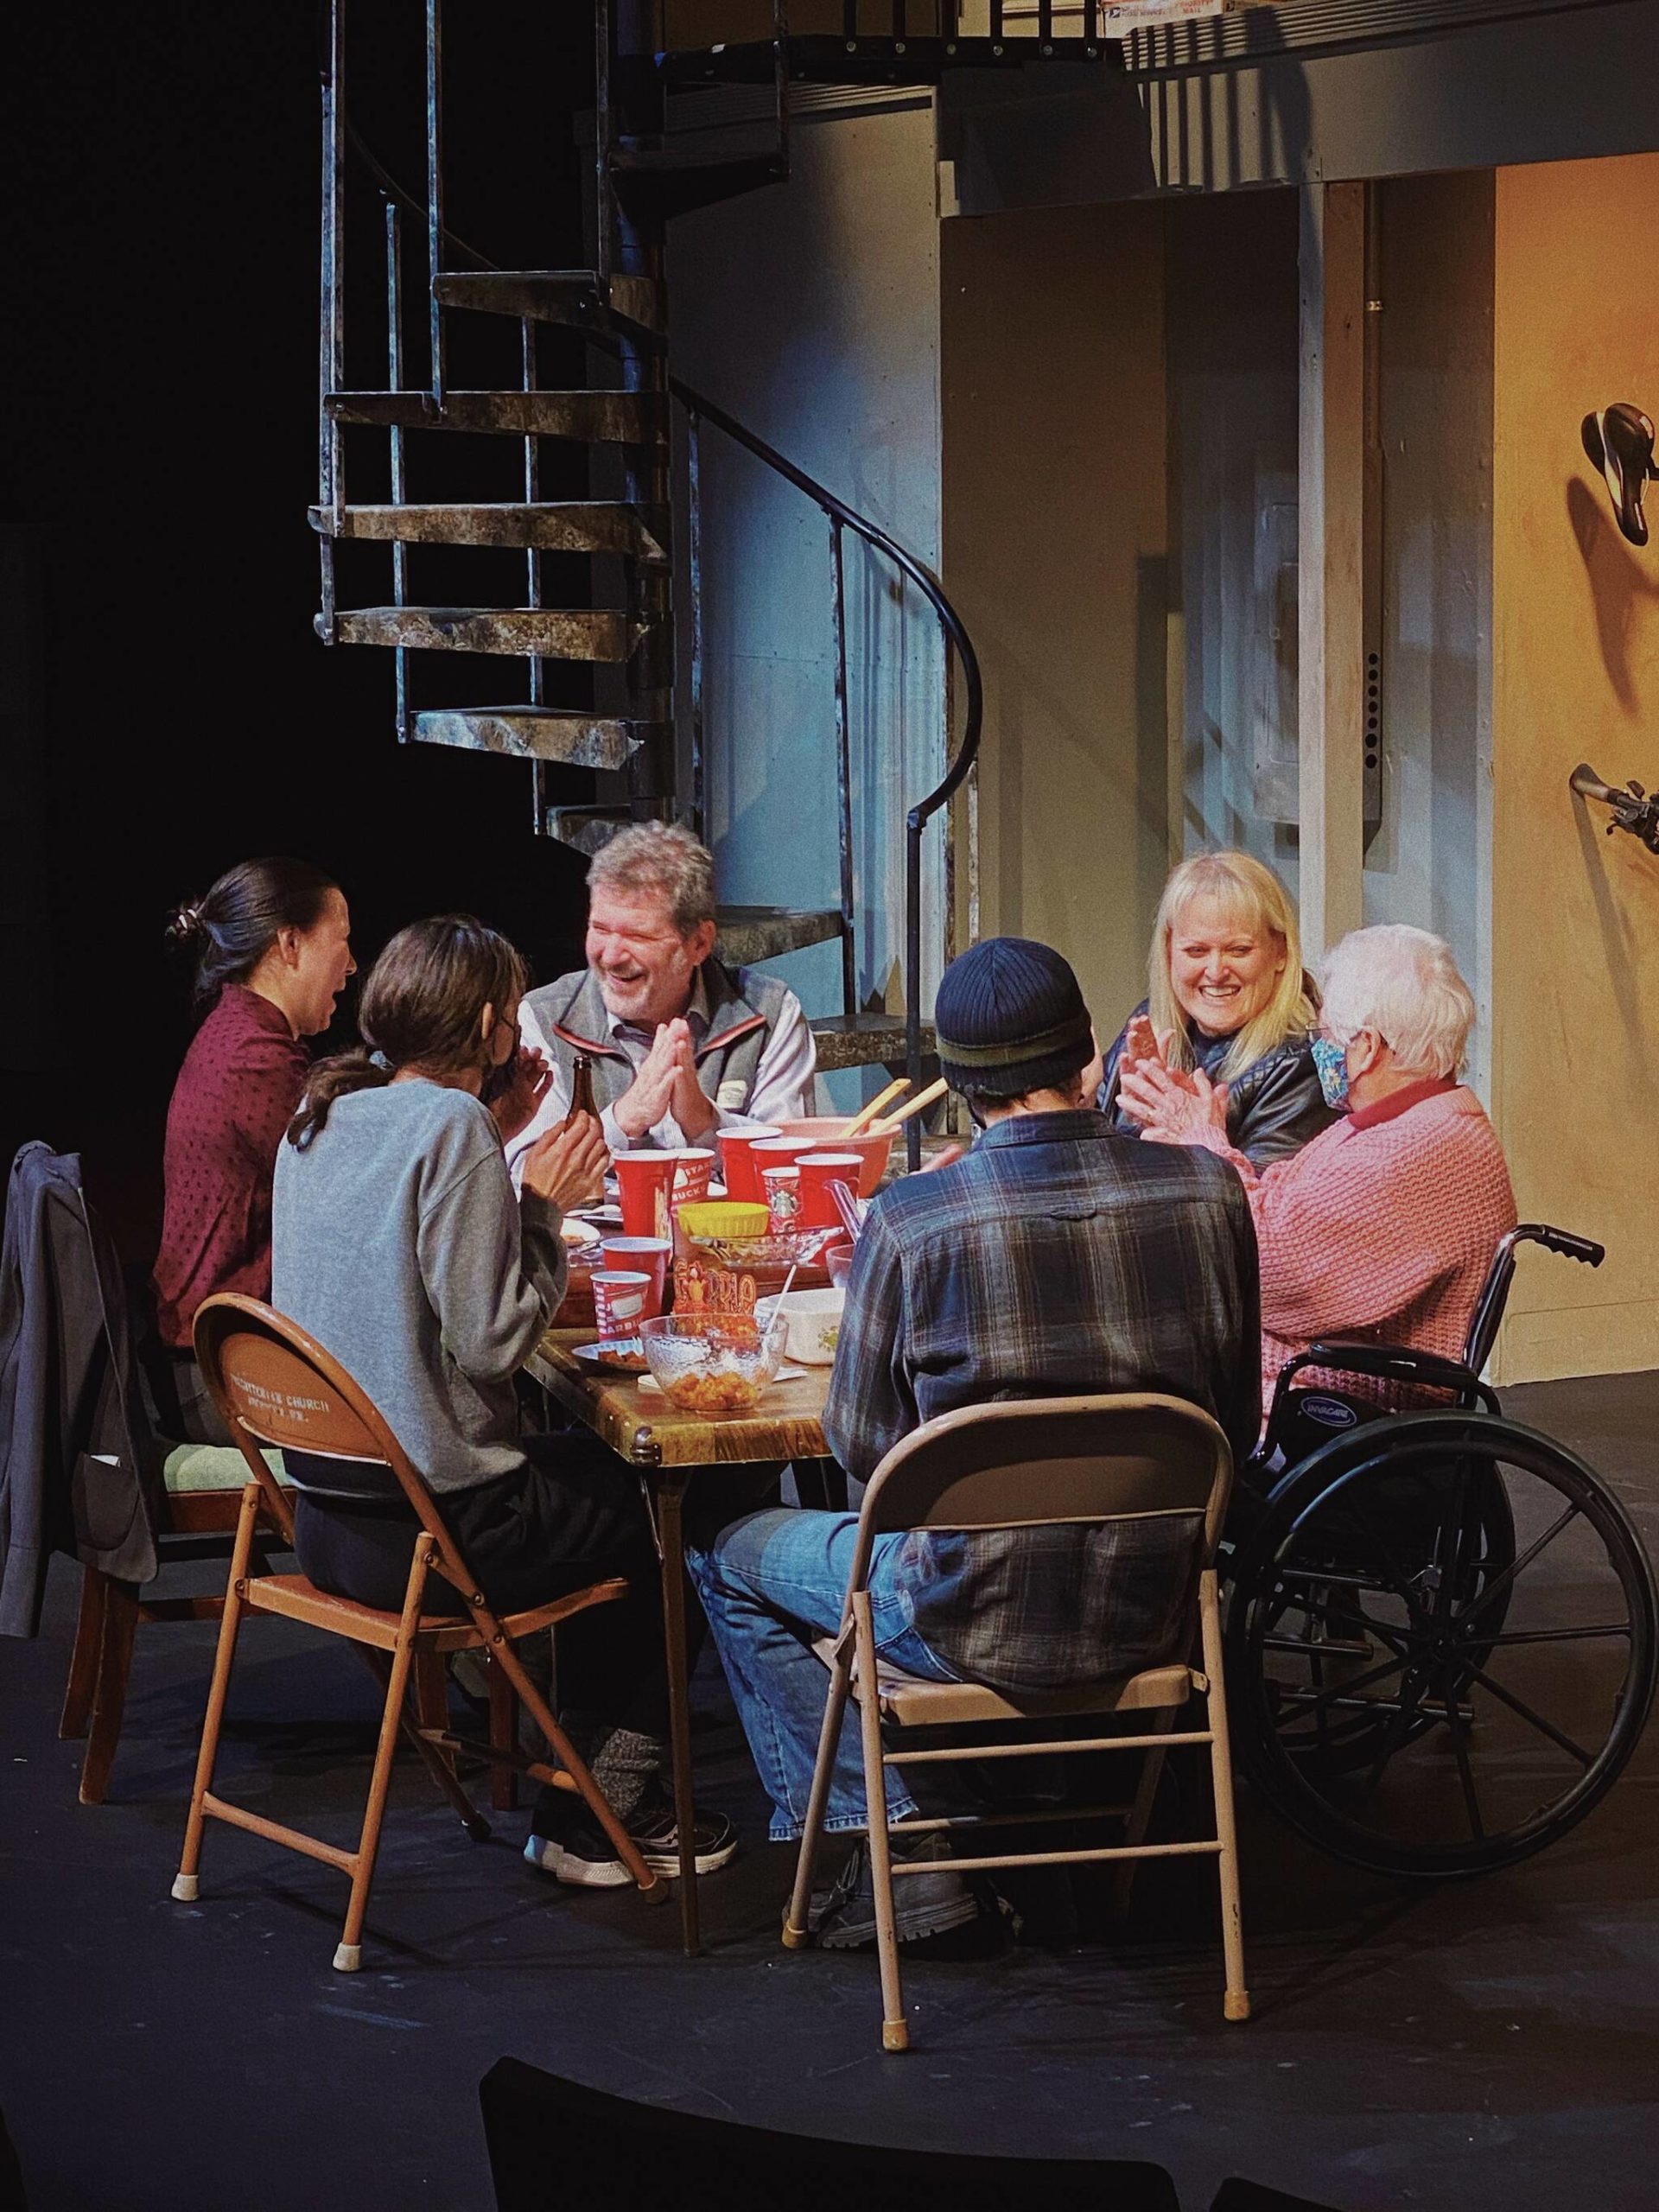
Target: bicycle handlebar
[
  {"x": 1633, "y": 809},
  {"x": 1588, "y": 785}
]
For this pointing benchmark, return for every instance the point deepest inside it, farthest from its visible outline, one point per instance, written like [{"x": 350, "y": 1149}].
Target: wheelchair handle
[{"x": 1583, "y": 1248}]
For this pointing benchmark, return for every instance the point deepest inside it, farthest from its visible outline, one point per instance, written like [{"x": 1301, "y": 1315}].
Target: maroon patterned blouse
[{"x": 241, "y": 1081}]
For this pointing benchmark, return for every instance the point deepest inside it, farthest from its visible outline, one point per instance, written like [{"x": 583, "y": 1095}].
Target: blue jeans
[{"x": 770, "y": 1586}]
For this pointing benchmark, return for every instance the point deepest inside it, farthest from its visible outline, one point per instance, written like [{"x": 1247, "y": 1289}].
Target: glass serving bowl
[{"x": 711, "y": 1366}]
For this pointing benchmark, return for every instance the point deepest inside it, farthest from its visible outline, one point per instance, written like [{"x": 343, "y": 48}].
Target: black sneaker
[
  {"x": 842, "y": 1917},
  {"x": 581, "y": 1852}
]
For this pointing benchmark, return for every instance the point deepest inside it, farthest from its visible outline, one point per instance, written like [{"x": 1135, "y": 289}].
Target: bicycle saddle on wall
[{"x": 1619, "y": 443}]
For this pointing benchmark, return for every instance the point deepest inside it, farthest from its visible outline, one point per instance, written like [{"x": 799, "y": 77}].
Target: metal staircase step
[
  {"x": 572, "y": 526},
  {"x": 587, "y": 829},
  {"x": 752, "y": 933},
  {"x": 572, "y": 297},
  {"x": 580, "y": 740},
  {"x": 550, "y": 633},
  {"x": 593, "y": 417},
  {"x": 823, "y": 59},
  {"x": 866, "y": 1040},
  {"x": 663, "y": 181}
]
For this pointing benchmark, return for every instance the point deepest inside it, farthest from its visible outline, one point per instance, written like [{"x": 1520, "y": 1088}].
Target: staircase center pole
[
  {"x": 628, "y": 108},
  {"x": 399, "y": 485},
  {"x": 533, "y": 570},
  {"x": 435, "y": 187},
  {"x": 331, "y": 490}
]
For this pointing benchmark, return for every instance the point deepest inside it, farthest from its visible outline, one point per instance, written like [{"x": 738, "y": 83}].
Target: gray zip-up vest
[{"x": 742, "y": 1009}]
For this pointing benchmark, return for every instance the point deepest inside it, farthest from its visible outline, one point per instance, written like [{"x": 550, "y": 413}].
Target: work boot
[{"x": 842, "y": 1917}]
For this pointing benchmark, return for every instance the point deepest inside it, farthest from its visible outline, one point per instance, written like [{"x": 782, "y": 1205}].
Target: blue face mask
[{"x": 1331, "y": 1061}]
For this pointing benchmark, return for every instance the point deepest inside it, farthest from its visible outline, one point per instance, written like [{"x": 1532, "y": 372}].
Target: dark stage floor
[{"x": 1488, "y": 2045}]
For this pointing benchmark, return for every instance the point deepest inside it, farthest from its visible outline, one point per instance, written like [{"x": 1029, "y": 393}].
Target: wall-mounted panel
[{"x": 1055, "y": 549}]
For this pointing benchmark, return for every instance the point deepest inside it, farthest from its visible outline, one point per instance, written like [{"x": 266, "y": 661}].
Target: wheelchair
[{"x": 1441, "y": 1625}]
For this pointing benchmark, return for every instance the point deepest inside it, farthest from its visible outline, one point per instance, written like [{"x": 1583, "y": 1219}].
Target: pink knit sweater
[{"x": 1383, "y": 1227}]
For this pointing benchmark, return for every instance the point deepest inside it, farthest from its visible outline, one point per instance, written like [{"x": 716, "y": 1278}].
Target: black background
[{"x": 160, "y": 450}]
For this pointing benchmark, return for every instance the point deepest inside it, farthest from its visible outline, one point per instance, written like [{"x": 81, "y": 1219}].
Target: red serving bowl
[{"x": 823, "y": 1132}]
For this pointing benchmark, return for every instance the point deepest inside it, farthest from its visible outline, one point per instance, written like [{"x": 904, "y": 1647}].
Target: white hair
[{"x": 1404, "y": 983}]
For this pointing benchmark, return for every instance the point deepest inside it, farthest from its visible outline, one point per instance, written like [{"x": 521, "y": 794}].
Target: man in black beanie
[{"x": 1058, "y": 1258}]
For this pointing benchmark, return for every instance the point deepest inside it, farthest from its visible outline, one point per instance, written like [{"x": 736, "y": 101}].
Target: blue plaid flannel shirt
[{"x": 1058, "y": 1258}]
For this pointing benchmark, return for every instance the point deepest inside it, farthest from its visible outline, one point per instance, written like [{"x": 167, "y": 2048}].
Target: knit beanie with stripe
[{"x": 1010, "y": 1019}]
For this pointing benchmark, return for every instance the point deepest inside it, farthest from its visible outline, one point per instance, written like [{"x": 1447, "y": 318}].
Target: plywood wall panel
[
  {"x": 1575, "y": 675},
  {"x": 1055, "y": 544}
]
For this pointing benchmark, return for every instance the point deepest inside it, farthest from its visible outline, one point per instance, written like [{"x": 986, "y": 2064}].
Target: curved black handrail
[
  {"x": 916, "y": 821},
  {"x": 698, "y": 403}
]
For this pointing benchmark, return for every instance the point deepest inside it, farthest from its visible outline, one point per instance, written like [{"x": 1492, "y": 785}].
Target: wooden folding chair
[
  {"x": 1015, "y": 1466},
  {"x": 275, "y": 1384}
]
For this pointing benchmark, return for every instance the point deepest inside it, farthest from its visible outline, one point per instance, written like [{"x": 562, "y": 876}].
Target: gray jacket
[
  {"x": 397, "y": 1240},
  {"x": 80, "y": 1470}
]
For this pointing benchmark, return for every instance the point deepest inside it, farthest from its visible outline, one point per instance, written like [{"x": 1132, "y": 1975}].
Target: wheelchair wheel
[{"x": 1442, "y": 1644}]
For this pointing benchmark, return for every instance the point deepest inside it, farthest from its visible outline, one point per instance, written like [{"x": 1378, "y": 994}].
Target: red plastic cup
[
  {"x": 780, "y": 1152},
  {"x": 621, "y": 1301},
  {"x": 818, "y": 1171},
  {"x": 645, "y": 1179},
  {"x": 782, "y": 1190},
  {"x": 694, "y": 1168},
  {"x": 646, "y": 1255},
  {"x": 742, "y": 1176}
]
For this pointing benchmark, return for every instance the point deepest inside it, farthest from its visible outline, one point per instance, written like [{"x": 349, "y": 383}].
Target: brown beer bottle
[{"x": 582, "y": 1091}]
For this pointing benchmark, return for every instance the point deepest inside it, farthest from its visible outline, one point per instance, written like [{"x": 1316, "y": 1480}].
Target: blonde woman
[{"x": 1228, "y": 996}]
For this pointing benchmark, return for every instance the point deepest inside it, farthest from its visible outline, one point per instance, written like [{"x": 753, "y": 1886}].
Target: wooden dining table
[{"x": 666, "y": 1450}]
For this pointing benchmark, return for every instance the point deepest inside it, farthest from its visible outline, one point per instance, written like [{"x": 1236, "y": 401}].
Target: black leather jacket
[{"x": 1273, "y": 1109}]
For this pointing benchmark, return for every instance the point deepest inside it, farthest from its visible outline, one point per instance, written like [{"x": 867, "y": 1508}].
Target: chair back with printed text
[{"x": 274, "y": 1383}]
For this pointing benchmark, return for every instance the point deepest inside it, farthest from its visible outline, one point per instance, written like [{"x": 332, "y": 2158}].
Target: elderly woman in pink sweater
[{"x": 1384, "y": 1226}]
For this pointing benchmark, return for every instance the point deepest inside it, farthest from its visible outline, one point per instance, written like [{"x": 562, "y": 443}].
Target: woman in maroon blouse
[{"x": 273, "y": 953}]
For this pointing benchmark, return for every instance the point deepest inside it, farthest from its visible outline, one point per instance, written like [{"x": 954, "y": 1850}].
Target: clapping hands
[
  {"x": 1171, "y": 1106},
  {"x": 666, "y": 1083}
]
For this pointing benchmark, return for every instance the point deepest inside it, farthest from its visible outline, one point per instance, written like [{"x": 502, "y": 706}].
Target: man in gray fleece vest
[{"x": 681, "y": 1046}]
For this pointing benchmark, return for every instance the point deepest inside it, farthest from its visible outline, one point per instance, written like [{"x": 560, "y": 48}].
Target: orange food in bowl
[{"x": 713, "y": 1394}]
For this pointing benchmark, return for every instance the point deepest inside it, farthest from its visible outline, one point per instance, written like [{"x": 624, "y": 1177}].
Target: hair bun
[{"x": 185, "y": 925}]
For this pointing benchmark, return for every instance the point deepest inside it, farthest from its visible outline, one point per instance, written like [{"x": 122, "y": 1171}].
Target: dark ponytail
[
  {"x": 421, "y": 1007},
  {"x": 231, "y": 928}
]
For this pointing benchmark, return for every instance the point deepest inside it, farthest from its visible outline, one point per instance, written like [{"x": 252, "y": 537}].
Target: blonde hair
[{"x": 1252, "y": 897}]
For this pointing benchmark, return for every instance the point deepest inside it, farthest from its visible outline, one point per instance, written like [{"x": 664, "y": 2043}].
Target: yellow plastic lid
[{"x": 723, "y": 1217}]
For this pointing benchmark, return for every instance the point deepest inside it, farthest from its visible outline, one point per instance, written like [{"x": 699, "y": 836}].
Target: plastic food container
[
  {"x": 711, "y": 1365},
  {"x": 726, "y": 1219},
  {"x": 811, "y": 1322}
]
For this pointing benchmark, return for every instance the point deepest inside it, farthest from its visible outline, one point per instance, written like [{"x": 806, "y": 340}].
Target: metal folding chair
[
  {"x": 274, "y": 1384},
  {"x": 1019, "y": 1465}
]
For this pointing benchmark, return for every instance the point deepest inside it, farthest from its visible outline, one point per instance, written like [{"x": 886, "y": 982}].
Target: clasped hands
[
  {"x": 667, "y": 1084},
  {"x": 1173, "y": 1105}
]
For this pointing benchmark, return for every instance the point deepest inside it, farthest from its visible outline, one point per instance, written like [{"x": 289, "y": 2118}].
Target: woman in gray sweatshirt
[{"x": 400, "y": 1242}]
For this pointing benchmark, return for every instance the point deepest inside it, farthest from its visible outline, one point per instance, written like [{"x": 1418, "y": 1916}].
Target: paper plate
[{"x": 612, "y": 1355}]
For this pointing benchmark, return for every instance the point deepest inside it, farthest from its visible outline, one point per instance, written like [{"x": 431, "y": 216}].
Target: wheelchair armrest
[{"x": 1395, "y": 1362}]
